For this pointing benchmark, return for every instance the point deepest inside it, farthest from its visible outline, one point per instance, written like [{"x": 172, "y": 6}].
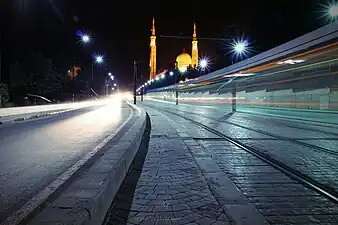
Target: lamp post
[
  {"x": 84, "y": 38},
  {"x": 135, "y": 80},
  {"x": 142, "y": 90},
  {"x": 98, "y": 59}
]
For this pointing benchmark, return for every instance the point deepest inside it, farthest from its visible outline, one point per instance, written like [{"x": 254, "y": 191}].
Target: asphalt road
[{"x": 36, "y": 152}]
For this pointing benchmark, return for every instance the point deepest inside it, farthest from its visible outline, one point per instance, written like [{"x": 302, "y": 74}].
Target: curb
[
  {"x": 87, "y": 199},
  {"x": 38, "y": 115}
]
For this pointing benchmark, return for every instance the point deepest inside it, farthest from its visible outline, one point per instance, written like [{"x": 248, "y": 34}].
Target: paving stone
[
  {"x": 183, "y": 213},
  {"x": 148, "y": 222},
  {"x": 146, "y": 208},
  {"x": 171, "y": 188}
]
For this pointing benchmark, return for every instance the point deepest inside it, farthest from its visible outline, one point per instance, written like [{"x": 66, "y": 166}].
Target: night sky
[{"x": 121, "y": 29}]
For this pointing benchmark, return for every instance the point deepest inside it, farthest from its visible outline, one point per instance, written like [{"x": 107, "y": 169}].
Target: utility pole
[
  {"x": 0, "y": 59},
  {"x": 73, "y": 71},
  {"x": 234, "y": 99},
  {"x": 177, "y": 80},
  {"x": 0, "y": 66},
  {"x": 135, "y": 79},
  {"x": 92, "y": 71},
  {"x": 142, "y": 89}
]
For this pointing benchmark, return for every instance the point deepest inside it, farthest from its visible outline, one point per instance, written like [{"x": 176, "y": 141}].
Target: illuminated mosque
[{"x": 183, "y": 61}]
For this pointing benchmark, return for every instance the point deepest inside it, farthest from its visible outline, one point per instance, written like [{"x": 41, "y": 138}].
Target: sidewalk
[{"x": 178, "y": 184}]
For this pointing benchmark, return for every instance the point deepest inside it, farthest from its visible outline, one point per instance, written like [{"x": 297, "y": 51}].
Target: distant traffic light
[{"x": 76, "y": 72}]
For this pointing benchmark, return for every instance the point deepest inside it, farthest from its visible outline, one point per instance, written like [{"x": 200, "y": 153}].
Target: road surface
[{"x": 34, "y": 153}]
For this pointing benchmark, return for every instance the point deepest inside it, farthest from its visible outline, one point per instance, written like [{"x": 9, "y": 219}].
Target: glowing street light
[
  {"x": 115, "y": 85},
  {"x": 171, "y": 73},
  {"x": 333, "y": 11},
  {"x": 111, "y": 76},
  {"x": 330, "y": 11},
  {"x": 157, "y": 78},
  {"x": 204, "y": 63},
  {"x": 240, "y": 48},
  {"x": 85, "y": 38},
  {"x": 99, "y": 59}
]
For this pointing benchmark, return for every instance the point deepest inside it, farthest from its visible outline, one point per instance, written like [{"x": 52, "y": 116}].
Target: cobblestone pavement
[
  {"x": 279, "y": 199},
  {"x": 176, "y": 184},
  {"x": 320, "y": 166}
]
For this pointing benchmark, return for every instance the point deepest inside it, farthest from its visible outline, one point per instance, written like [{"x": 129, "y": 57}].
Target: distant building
[{"x": 183, "y": 61}]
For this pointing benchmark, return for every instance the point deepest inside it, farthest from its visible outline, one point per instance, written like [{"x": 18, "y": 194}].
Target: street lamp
[
  {"x": 111, "y": 76},
  {"x": 240, "y": 48},
  {"x": 334, "y": 10},
  {"x": 98, "y": 59},
  {"x": 204, "y": 63},
  {"x": 330, "y": 11},
  {"x": 85, "y": 38}
]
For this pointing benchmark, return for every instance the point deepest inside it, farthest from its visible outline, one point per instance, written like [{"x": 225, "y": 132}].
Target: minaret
[
  {"x": 152, "y": 63},
  {"x": 194, "y": 54}
]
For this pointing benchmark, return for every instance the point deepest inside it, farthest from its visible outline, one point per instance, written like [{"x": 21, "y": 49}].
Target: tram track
[
  {"x": 307, "y": 181},
  {"x": 300, "y": 128},
  {"x": 295, "y": 141},
  {"x": 305, "y": 121}
]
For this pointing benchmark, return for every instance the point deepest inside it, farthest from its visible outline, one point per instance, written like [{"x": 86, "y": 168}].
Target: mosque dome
[{"x": 183, "y": 61}]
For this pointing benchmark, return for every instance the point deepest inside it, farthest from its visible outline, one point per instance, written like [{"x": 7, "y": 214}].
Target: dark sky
[{"x": 121, "y": 29}]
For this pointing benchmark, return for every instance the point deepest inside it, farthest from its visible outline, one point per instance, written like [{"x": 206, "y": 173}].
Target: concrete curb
[
  {"x": 87, "y": 199},
  {"x": 21, "y": 118}
]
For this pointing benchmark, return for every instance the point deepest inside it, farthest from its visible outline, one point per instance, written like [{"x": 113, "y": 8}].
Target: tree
[
  {"x": 4, "y": 96},
  {"x": 39, "y": 75},
  {"x": 35, "y": 74}
]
